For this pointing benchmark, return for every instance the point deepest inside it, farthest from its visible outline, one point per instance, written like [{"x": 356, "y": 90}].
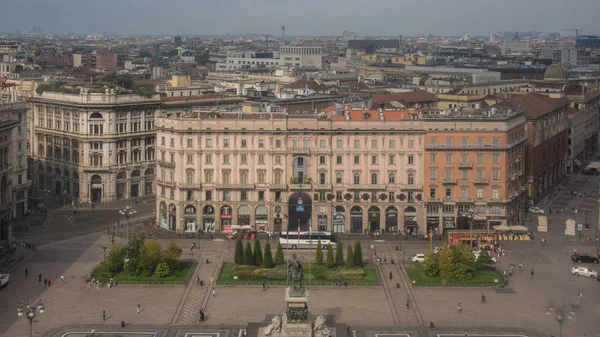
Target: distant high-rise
[{"x": 177, "y": 42}]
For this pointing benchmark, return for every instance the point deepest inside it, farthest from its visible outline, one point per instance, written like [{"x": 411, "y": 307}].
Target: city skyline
[{"x": 379, "y": 18}]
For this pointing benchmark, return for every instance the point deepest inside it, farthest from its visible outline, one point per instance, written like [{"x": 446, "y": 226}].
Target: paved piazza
[{"x": 172, "y": 310}]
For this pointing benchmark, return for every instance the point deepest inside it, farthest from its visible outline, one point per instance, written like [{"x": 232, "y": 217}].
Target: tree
[
  {"x": 239, "y": 251},
  {"x": 248, "y": 256},
  {"x": 349, "y": 257},
  {"x": 319, "y": 254},
  {"x": 330, "y": 262},
  {"x": 134, "y": 247},
  {"x": 162, "y": 270},
  {"x": 483, "y": 261},
  {"x": 279, "y": 255},
  {"x": 268, "y": 258},
  {"x": 115, "y": 260},
  {"x": 151, "y": 254},
  {"x": 432, "y": 264},
  {"x": 339, "y": 255},
  {"x": 456, "y": 262},
  {"x": 358, "y": 258},
  {"x": 258, "y": 257},
  {"x": 172, "y": 254}
]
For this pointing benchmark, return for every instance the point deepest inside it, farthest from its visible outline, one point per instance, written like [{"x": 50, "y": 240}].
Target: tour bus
[{"x": 306, "y": 240}]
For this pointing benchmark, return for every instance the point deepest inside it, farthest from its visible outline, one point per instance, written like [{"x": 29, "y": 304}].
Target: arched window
[
  {"x": 225, "y": 177},
  {"x": 244, "y": 177},
  {"x": 96, "y": 115},
  {"x": 411, "y": 179},
  {"x": 356, "y": 178},
  {"x": 189, "y": 177},
  {"x": 392, "y": 178},
  {"x": 373, "y": 178}
]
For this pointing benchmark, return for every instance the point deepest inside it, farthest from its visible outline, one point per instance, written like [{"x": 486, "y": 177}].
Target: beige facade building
[
  {"x": 342, "y": 171},
  {"x": 93, "y": 147}
]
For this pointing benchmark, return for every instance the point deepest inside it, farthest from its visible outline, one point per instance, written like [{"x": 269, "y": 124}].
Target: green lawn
[
  {"x": 180, "y": 277},
  {"x": 481, "y": 278},
  {"x": 315, "y": 275}
]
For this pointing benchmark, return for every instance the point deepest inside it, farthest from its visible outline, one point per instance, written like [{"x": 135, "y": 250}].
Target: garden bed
[
  {"x": 180, "y": 277},
  {"x": 318, "y": 275},
  {"x": 481, "y": 278}
]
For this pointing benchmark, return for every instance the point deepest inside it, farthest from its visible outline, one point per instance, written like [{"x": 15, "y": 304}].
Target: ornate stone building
[
  {"x": 93, "y": 147},
  {"x": 341, "y": 171}
]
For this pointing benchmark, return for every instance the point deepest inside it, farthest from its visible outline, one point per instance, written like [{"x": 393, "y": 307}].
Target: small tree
[
  {"x": 248, "y": 256},
  {"x": 456, "y": 262},
  {"x": 258, "y": 257},
  {"x": 432, "y": 264},
  {"x": 239, "y": 251},
  {"x": 330, "y": 262},
  {"x": 268, "y": 258},
  {"x": 134, "y": 248},
  {"x": 115, "y": 261},
  {"x": 162, "y": 270},
  {"x": 279, "y": 255},
  {"x": 349, "y": 257},
  {"x": 339, "y": 255},
  {"x": 358, "y": 258},
  {"x": 319, "y": 255},
  {"x": 151, "y": 255},
  {"x": 172, "y": 254}
]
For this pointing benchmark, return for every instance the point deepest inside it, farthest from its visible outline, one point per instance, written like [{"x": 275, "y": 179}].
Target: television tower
[{"x": 282, "y": 31}]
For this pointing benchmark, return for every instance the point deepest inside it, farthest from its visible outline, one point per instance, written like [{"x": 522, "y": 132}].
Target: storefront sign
[
  {"x": 226, "y": 212},
  {"x": 433, "y": 219},
  {"x": 96, "y": 185},
  {"x": 339, "y": 219},
  {"x": 356, "y": 214},
  {"x": 299, "y": 208},
  {"x": 449, "y": 222}
]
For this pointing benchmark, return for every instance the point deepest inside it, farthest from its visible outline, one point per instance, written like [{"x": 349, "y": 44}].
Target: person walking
[
  {"x": 103, "y": 315},
  {"x": 62, "y": 279},
  {"x": 482, "y": 298},
  {"x": 45, "y": 282},
  {"x": 40, "y": 277},
  {"x": 26, "y": 272},
  {"x": 201, "y": 315},
  {"x": 264, "y": 286},
  {"x": 407, "y": 303},
  {"x": 459, "y": 308},
  {"x": 138, "y": 308},
  {"x": 214, "y": 292},
  {"x": 391, "y": 276},
  {"x": 49, "y": 282},
  {"x": 531, "y": 271}
]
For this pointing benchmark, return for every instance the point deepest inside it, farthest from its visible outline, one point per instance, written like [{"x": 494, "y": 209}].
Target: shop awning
[
  {"x": 519, "y": 228},
  {"x": 502, "y": 228}
]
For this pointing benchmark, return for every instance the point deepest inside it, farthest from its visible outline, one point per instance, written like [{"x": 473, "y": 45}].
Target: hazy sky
[{"x": 305, "y": 17}]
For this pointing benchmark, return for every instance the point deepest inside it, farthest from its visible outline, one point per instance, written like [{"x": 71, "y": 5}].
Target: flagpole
[{"x": 310, "y": 241}]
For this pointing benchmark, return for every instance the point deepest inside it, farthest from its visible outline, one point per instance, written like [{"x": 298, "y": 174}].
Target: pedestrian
[
  {"x": 391, "y": 275},
  {"x": 49, "y": 282},
  {"x": 346, "y": 283},
  {"x": 45, "y": 282},
  {"x": 62, "y": 279},
  {"x": 482, "y": 298},
  {"x": 444, "y": 283},
  {"x": 26, "y": 272},
  {"x": 40, "y": 277},
  {"x": 459, "y": 308},
  {"x": 212, "y": 279},
  {"x": 531, "y": 271},
  {"x": 138, "y": 308},
  {"x": 264, "y": 286},
  {"x": 201, "y": 315},
  {"x": 407, "y": 303},
  {"x": 214, "y": 292},
  {"x": 198, "y": 279},
  {"x": 520, "y": 266},
  {"x": 103, "y": 315},
  {"x": 550, "y": 210}
]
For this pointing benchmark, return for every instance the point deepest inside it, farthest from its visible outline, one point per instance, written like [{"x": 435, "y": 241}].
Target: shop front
[
  {"x": 172, "y": 217},
  {"x": 480, "y": 222},
  {"x": 277, "y": 220},
  {"x": 226, "y": 216},
  {"x": 208, "y": 219},
  {"x": 189, "y": 216},
  {"x": 261, "y": 219},
  {"x": 411, "y": 226},
  {"x": 339, "y": 220},
  {"x": 163, "y": 215},
  {"x": 391, "y": 220},
  {"x": 356, "y": 219},
  {"x": 433, "y": 224},
  {"x": 243, "y": 220},
  {"x": 449, "y": 223},
  {"x": 374, "y": 219}
]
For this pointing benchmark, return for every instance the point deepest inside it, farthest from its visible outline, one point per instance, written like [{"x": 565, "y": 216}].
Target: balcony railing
[
  {"x": 301, "y": 187},
  {"x": 166, "y": 183},
  {"x": 491, "y": 147},
  {"x": 323, "y": 187},
  {"x": 465, "y": 165},
  {"x": 166, "y": 164},
  {"x": 300, "y": 151},
  {"x": 282, "y": 187},
  {"x": 481, "y": 181},
  {"x": 449, "y": 181},
  {"x": 190, "y": 186}
]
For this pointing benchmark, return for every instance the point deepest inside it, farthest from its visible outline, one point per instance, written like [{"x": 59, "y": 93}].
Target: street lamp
[
  {"x": 128, "y": 211},
  {"x": 470, "y": 214},
  {"x": 29, "y": 311},
  {"x": 560, "y": 314}
]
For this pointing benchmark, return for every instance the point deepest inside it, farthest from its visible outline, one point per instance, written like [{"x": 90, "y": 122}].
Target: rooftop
[{"x": 534, "y": 105}]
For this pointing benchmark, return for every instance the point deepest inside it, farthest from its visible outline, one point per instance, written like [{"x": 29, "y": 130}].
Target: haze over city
[{"x": 310, "y": 17}]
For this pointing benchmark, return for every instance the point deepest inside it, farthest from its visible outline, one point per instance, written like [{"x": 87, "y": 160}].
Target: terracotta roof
[
  {"x": 373, "y": 115},
  {"x": 534, "y": 105},
  {"x": 410, "y": 97}
]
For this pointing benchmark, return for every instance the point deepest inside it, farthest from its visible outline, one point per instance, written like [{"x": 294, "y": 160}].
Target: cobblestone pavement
[{"x": 196, "y": 296}]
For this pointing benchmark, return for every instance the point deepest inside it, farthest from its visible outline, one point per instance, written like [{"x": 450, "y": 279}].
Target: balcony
[
  {"x": 232, "y": 186},
  {"x": 300, "y": 151},
  {"x": 450, "y": 182},
  {"x": 495, "y": 200},
  {"x": 301, "y": 187},
  {"x": 481, "y": 181},
  {"x": 166, "y": 183},
  {"x": 166, "y": 164},
  {"x": 323, "y": 187},
  {"x": 465, "y": 200},
  {"x": 465, "y": 165},
  {"x": 190, "y": 186},
  {"x": 435, "y": 200},
  {"x": 367, "y": 187},
  {"x": 280, "y": 187}
]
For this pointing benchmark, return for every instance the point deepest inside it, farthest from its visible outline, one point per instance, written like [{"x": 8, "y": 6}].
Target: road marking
[{"x": 100, "y": 333}]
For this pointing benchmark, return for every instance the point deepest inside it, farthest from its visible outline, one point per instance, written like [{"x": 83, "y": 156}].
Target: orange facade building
[{"x": 474, "y": 161}]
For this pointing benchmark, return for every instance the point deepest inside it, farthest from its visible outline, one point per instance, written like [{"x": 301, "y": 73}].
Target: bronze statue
[{"x": 295, "y": 274}]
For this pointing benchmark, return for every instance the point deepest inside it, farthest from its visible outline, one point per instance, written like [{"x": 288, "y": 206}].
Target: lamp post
[
  {"x": 128, "y": 211},
  {"x": 470, "y": 214},
  {"x": 560, "y": 314},
  {"x": 29, "y": 311}
]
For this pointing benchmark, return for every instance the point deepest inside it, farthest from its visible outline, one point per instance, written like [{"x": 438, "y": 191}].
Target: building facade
[
  {"x": 93, "y": 147},
  {"x": 349, "y": 171},
  {"x": 474, "y": 161}
]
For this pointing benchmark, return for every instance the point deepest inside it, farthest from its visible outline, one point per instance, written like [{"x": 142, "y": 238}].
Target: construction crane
[{"x": 576, "y": 30}]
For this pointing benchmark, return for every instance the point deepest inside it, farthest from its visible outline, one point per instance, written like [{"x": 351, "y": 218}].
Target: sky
[{"x": 306, "y": 17}]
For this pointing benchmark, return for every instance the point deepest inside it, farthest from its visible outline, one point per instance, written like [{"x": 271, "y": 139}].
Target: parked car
[
  {"x": 584, "y": 271},
  {"x": 583, "y": 258},
  {"x": 418, "y": 258},
  {"x": 536, "y": 210}
]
